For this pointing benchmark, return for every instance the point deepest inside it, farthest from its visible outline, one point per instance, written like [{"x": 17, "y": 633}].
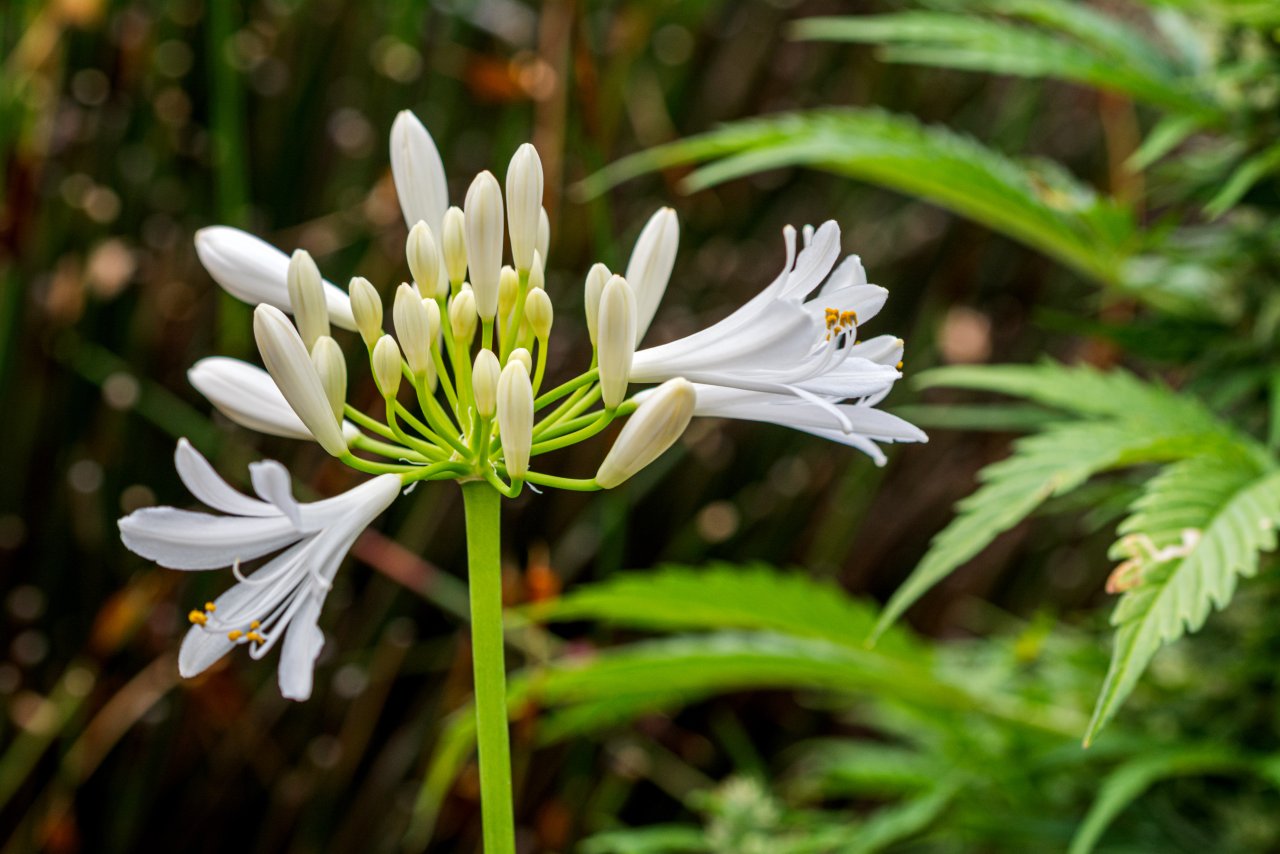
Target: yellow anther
[
  {"x": 210, "y": 606},
  {"x": 198, "y": 618},
  {"x": 255, "y": 637},
  {"x": 255, "y": 624},
  {"x": 848, "y": 318},
  {"x": 900, "y": 364},
  {"x": 235, "y": 635}
]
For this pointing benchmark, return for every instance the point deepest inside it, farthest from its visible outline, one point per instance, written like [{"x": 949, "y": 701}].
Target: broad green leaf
[
  {"x": 1220, "y": 512},
  {"x": 1035, "y": 203},
  {"x": 975, "y": 43},
  {"x": 1127, "y": 783},
  {"x": 723, "y": 596},
  {"x": 1048, "y": 464}
]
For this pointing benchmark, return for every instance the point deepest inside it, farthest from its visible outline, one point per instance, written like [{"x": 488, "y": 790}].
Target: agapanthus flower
[{"x": 462, "y": 384}]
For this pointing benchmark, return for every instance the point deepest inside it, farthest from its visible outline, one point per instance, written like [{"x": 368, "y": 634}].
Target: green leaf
[
  {"x": 1168, "y": 134},
  {"x": 658, "y": 839},
  {"x": 723, "y": 596},
  {"x": 1229, "y": 508},
  {"x": 1035, "y": 203},
  {"x": 1253, "y": 170},
  {"x": 1126, "y": 784},
  {"x": 974, "y": 43},
  {"x": 1048, "y": 464}
]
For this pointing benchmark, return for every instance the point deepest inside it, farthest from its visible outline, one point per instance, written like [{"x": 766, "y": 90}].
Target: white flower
[
  {"x": 248, "y": 396},
  {"x": 418, "y": 173},
  {"x": 863, "y": 425},
  {"x": 253, "y": 270},
  {"x": 788, "y": 356},
  {"x": 283, "y": 597},
  {"x": 649, "y": 268}
]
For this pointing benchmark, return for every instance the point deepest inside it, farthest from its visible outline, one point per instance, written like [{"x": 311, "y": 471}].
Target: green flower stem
[
  {"x": 561, "y": 390},
  {"x": 517, "y": 316},
  {"x": 541, "y": 369},
  {"x": 446, "y": 332},
  {"x": 386, "y": 449},
  {"x": 373, "y": 426},
  {"x": 443, "y": 469},
  {"x": 483, "y": 513},
  {"x": 440, "y": 420},
  {"x": 486, "y": 334},
  {"x": 575, "y": 484},
  {"x": 596, "y": 424},
  {"x": 496, "y": 482},
  {"x": 370, "y": 467},
  {"x": 443, "y": 375},
  {"x": 566, "y": 427},
  {"x": 570, "y": 409},
  {"x": 427, "y": 449}
]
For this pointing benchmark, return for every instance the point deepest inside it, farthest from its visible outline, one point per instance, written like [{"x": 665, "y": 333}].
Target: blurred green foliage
[{"x": 1134, "y": 227}]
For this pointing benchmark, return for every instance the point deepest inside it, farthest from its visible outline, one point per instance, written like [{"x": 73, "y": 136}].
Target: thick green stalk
[{"x": 483, "y": 511}]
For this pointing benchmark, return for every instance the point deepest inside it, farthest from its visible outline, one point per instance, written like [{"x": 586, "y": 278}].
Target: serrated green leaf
[
  {"x": 1036, "y": 203},
  {"x": 723, "y": 596},
  {"x": 1048, "y": 464},
  {"x": 1231, "y": 508},
  {"x": 1126, "y": 784}
]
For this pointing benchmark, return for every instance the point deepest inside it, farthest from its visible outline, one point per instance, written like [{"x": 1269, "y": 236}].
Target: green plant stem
[
  {"x": 483, "y": 513},
  {"x": 564, "y": 388}
]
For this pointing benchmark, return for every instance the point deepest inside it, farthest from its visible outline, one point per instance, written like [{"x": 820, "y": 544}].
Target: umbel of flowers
[{"x": 465, "y": 397}]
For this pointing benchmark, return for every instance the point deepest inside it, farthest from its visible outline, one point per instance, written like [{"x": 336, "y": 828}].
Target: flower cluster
[{"x": 469, "y": 356}]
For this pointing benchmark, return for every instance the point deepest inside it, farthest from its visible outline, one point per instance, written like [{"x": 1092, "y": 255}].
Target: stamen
[
  {"x": 235, "y": 635},
  {"x": 210, "y": 607},
  {"x": 900, "y": 364},
  {"x": 254, "y": 637},
  {"x": 198, "y": 618}
]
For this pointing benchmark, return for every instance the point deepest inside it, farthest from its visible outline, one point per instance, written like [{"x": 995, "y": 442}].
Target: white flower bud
[
  {"x": 522, "y": 356},
  {"x": 515, "y": 417},
  {"x": 657, "y": 423},
  {"x": 508, "y": 290},
  {"x": 418, "y": 171},
  {"x": 649, "y": 269},
  {"x": 424, "y": 262},
  {"x": 331, "y": 366},
  {"x": 597, "y": 278},
  {"x": 484, "y": 383},
  {"x": 287, "y": 360},
  {"x": 432, "y": 308},
  {"x": 538, "y": 311},
  {"x": 544, "y": 233},
  {"x": 524, "y": 204},
  {"x": 454, "y": 244},
  {"x": 484, "y": 224},
  {"x": 412, "y": 328},
  {"x": 617, "y": 340},
  {"x": 366, "y": 306},
  {"x": 462, "y": 316},
  {"x": 306, "y": 297},
  {"x": 537, "y": 273},
  {"x": 386, "y": 366}
]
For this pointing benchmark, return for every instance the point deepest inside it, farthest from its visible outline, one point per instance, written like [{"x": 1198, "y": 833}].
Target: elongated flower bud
[
  {"x": 597, "y": 278},
  {"x": 617, "y": 340},
  {"x": 432, "y": 308},
  {"x": 515, "y": 417},
  {"x": 544, "y": 233},
  {"x": 424, "y": 262},
  {"x": 522, "y": 356},
  {"x": 287, "y": 360},
  {"x": 306, "y": 296},
  {"x": 331, "y": 366},
  {"x": 538, "y": 311},
  {"x": 386, "y": 366},
  {"x": 537, "y": 273},
  {"x": 462, "y": 316},
  {"x": 418, "y": 172},
  {"x": 657, "y": 423},
  {"x": 483, "y": 208},
  {"x": 524, "y": 204},
  {"x": 454, "y": 244},
  {"x": 649, "y": 269},
  {"x": 412, "y": 328},
  {"x": 366, "y": 305},
  {"x": 484, "y": 382},
  {"x": 508, "y": 290}
]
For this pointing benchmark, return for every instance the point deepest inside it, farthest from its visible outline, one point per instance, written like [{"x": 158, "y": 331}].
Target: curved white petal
[
  {"x": 182, "y": 539},
  {"x": 302, "y": 645},
  {"x": 248, "y": 396},
  {"x": 272, "y": 483},
  {"x": 201, "y": 649},
  {"x": 204, "y": 483},
  {"x": 418, "y": 173},
  {"x": 253, "y": 270}
]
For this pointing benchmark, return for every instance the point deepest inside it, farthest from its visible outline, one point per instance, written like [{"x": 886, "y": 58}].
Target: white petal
[
  {"x": 181, "y": 539},
  {"x": 201, "y": 649},
  {"x": 649, "y": 269},
  {"x": 253, "y": 270},
  {"x": 290, "y": 365},
  {"x": 248, "y": 396},
  {"x": 302, "y": 645},
  {"x": 418, "y": 173},
  {"x": 205, "y": 484},
  {"x": 272, "y": 483}
]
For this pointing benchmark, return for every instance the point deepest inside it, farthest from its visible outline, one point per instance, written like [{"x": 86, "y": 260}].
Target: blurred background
[{"x": 126, "y": 125}]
